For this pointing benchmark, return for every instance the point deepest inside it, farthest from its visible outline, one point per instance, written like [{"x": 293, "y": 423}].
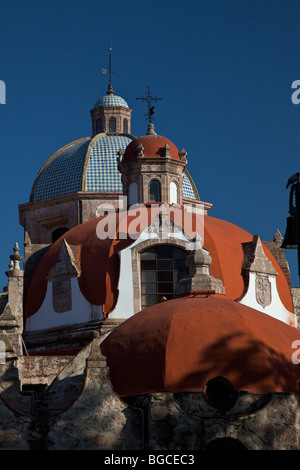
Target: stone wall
[
  {"x": 296, "y": 302},
  {"x": 79, "y": 410},
  {"x": 41, "y": 218}
]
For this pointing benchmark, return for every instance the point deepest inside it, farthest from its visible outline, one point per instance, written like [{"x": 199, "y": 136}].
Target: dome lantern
[
  {"x": 152, "y": 170},
  {"x": 111, "y": 115}
]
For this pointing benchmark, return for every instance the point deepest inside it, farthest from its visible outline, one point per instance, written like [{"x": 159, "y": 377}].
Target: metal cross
[{"x": 149, "y": 100}]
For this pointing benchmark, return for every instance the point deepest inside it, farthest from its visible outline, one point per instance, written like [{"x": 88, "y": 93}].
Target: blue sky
[{"x": 223, "y": 67}]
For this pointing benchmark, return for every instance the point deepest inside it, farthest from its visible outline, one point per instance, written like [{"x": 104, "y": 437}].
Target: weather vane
[
  {"x": 149, "y": 100},
  {"x": 104, "y": 71}
]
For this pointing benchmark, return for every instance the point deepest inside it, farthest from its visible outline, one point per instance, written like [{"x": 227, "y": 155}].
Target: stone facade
[
  {"x": 41, "y": 218},
  {"x": 296, "y": 301},
  {"x": 65, "y": 403},
  {"x": 62, "y": 399}
]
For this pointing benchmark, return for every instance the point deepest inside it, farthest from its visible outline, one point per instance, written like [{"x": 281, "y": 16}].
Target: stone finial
[
  {"x": 110, "y": 90},
  {"x": 278, "y": 238},
  {"x": 11, "y": 265},
  {"x": 166, "y": 151},
  {"x": 200, "y": 279},
  {"x": 140, "y": 150},
  {"x": 16, "y": 257},
  {"x": 14, "y": 265},
  {"x": 183, "y": 154},
  {"x": 151, "y": 130}
]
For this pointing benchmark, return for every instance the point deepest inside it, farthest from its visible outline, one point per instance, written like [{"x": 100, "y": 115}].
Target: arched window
[
  {"x": 162, "y": 267},
  {"x": 99, "y": 126},
  {"x": 154, "y": 191},
  {"x": 125, "y": 126},
  {"x": 57, "y": 233},
  {"x": 173, "y": 193},
  {"x": 112, "y": 124}
]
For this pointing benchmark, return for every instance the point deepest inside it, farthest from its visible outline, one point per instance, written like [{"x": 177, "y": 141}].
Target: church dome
[
  {"x": 100, "y": 260},
  {"x": 186, "y": 342},
  {"x": 88, "y": 164},
  {"x": 110, "y": 100},
  {"x": 153, "y": 147}
]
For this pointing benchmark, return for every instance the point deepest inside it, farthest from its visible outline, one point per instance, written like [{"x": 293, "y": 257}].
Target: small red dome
[
  {"x": 179, "y": 345},
  {"x": 153, "y": 147}
]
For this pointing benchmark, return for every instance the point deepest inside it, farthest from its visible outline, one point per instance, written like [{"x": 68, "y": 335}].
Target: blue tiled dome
[
  {"x": 88, "y": 164},
  {"x": 111, "y": 100}
]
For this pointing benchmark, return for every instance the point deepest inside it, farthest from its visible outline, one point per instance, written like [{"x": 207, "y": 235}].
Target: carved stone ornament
[
  {"x": 65, "y": 268},
  {"x": 263, "y": 290},
  {"x": 163, "y": 225},
  {"x": 62, "y": 295}
]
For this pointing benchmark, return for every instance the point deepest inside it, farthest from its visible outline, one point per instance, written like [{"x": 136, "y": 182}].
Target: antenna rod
[{"x": 110, "y": 49}]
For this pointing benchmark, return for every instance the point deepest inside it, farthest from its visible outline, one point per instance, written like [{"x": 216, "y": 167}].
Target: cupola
[
  {"x": 152, "y": 169},
  {"x": 111, "y": 114}
]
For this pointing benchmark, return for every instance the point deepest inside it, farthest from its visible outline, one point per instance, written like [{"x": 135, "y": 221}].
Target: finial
[
  {"x": 183, "y": 154},
  {"x": 199, "y": 279},
  {"x": 151, "y": 130},
  {"x": 166, "y": 150},
  {"x": 14, "y": 265},
  {"x": 110, "y": 90},
  {"x": 16, "y": 257},
  {"x": 140, "y": 150},
  {"x": 278, "y": 237}
]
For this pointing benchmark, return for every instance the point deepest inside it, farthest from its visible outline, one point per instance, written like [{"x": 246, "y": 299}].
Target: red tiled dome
[
  {"x": 153, "y": 147},
  {"x": 179, "y": 345},
  {"x": 100, "y": 262}
]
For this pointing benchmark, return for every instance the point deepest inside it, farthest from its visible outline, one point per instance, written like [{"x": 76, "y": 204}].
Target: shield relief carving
[
  {"x": 263, "y": 290},
  {"x": 62, "y": 295}
]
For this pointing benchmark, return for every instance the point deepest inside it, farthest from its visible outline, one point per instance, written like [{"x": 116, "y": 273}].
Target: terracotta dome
[
  {"x": 153, "y": 147},
  {"x": 99, "y": 261},
  {"x": 181, "y": 344}
]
